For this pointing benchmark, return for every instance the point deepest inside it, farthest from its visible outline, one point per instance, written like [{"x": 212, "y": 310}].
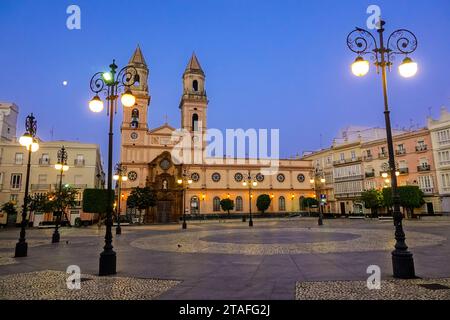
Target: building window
[
  {"x": 342, "y": 156},
  {"x": 195, "y": 122},
  {"x": 195, "y": 85},
  {"x": 216, "y": 204},
  {"x": 239, "y": 206},
  {"x": 281, "y": 204},
  {"x": 16, "y": 180},
  {"x": 79, "y": 160},
  {"x": 195, "y": 205},
  {"x": 353, "y": 155},
  {"x": 18, "y": 159}
]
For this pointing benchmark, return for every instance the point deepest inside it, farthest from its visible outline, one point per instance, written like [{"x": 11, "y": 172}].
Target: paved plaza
[{"x": 276, "y": 259}]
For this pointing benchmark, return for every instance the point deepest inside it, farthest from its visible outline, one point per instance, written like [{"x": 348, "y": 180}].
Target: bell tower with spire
[
  {"x": 194, "y": 101},
  {"x": 135, "y": 118}
]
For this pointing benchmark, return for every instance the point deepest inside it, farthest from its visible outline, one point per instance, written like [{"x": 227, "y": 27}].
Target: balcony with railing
[
  {"x": 382, "y": 155},
  {"x": 44, "y": 161},
  {"x": 41, "y": 187},
  {"x": 400, "y": 152},
  {"x": 427, "y": 191},
  {"x": 421, "y": 148},
  {"x": 423, "y": 168},
  {"x": 403, "y": 170},
  {"x": 79, "y": 162},
  {"x": 345, "y": 161}
]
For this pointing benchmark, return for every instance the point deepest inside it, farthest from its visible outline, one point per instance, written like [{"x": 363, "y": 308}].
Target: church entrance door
[{"x": 164, "y": 210}]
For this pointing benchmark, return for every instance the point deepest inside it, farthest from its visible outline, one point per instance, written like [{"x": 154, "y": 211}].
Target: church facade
[{"x": 148, "y": 156}]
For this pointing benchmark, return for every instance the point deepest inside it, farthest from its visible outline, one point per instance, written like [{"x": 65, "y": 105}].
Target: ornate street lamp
[
  {"x": 184, "y": 181},
  {"x": 62, "y": 166},
  {"x": 29, "y": 141},
  {"x": 250, "y": 182},
  {"x": 317, "y": 181},
  {"x": 110, "y": 83},
  {"x": 120, "y": 176},
  {"x": 400, "y": 42}
]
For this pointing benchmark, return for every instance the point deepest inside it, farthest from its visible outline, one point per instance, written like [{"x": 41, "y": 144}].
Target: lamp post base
[
  {"x": 320, "y": 221},
  {"x": 184, "y": 225},
  {"x": 403, "y": 265},
  {"x": 107, "y": 263},
  {"x": 118, "y": 230},
  {"x": 250, "y": 223},
  {"x": 21, "y": 250},
  {"x": 55, "y": 237}
]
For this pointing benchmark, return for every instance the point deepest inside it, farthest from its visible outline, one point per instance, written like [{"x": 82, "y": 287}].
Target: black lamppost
[
  {"x": 62, "y": 166},
  {"x": 110, "y": 83},
  {"x": 184, "y": 181},
  {"x": 29, "y": 141},
  {"x": 119, "y": 177},
  {"x": 400, "y": 42},
  {"x": 250, "y": 182},
  {"x": 317, "y": 181}
]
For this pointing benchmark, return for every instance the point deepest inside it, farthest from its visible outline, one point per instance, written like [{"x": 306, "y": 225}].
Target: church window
[
  {"x": 195, "y": 85},
  {"x": 216, "y": 204},
  {"x": 195, "y": 122},
  {"x": 281, "y": 204},
  {"x": 239, "y": 206}
]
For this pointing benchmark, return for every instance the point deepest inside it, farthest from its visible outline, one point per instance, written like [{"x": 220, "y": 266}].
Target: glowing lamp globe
[
  {"x": 34, "y": 146},
  {"x": 128, "y": 100},
  {"x": 408, "y": 68},
  {"x": 124, "y": 178},
  {"x": 107, "y": 77},
  {"x": 116, "y": 177},
  {"x": 26, "y": 140},
  {"x": 96, "y": 104},
  {"x": 255, "y": 184},
  {"x": 180, "y": 181},
  {"x": 360, "y": 67},
  {"x": 65, "y": 168},
  {"x": 58, "y": 166}
]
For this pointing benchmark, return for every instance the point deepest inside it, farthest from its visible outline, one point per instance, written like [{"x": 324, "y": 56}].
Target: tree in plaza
[
  {"x": 10, "y": 209},
  {"x": 227, "y": 205},
  {"x": 63, "y": 200},
  {"x": 141, "y": 199},
  {"x": 96, "y": 201},
  {"x": 263, "y": 202},
  {"x": 309, "y": 202},
  {"x": 411, "y": 197},
  {"x": 373, "y": 200}
]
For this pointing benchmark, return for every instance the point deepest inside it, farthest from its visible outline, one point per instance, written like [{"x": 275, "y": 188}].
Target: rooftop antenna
[
  {"x": 320, "y": 142},
  {"x": 51, "y": 133},
  {"x": 166, "y": 119},
  {"x": 429, "y": 111}
]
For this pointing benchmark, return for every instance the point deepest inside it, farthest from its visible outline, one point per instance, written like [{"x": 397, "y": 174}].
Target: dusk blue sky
[{"x": 269, "y": 64}]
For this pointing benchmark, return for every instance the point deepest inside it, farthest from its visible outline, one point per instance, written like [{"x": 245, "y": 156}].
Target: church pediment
[{"x": 163, "y": 130}]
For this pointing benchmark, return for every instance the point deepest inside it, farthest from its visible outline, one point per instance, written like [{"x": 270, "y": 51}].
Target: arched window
[
  {"x": 281, "y": 204},
  {"x": 239, "y": 206},
  {"x": 135, "y": 114},
  {"x": 195, "y": 85},
  {"x": 135, "y": 118},
  {"x": 195, "y": 205},
  {"x": 195, "y": 122},
  {"x": 216, "y": 204}
]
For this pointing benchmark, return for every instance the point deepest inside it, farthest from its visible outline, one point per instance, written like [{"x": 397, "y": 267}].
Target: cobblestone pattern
[
  {"x": 368, "y": 240},
  {"x": 357, "y": 290},
  {"x": 51, "y": 285}
]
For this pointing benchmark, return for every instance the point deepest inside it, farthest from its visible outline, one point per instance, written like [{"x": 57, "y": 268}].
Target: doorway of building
[
  {"x": 430, "y": 208},
  {"x": 164, "y": 210},
  {"x": 342, "y": 207}
]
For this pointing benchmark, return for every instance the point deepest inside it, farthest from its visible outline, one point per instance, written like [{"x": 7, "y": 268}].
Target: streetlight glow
[
  {"x": 128, "y": 99},
  {"x": 360, "y": 67},
  {"x": 26, "y": 140},
  {"x": 408, "y": 68},
  {"x": 96, "y": 104}
]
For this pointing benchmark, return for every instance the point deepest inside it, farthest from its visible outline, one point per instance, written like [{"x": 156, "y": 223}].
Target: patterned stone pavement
[
  {"x": 364, "y": 240},
  {"x": 228, "y": 260},
  {"x": 51, "y": 285},
  {"x": 434, "y": 289}
]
